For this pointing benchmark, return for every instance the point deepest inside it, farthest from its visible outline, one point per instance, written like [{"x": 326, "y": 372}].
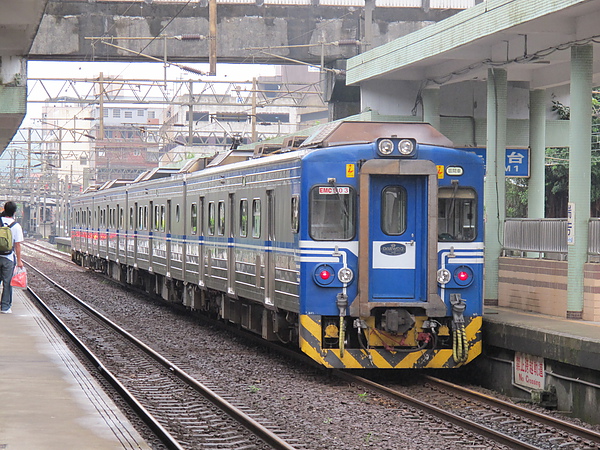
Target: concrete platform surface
[
  {"x": 574, "y": 342},
  {"x": 48, "y": 400}
]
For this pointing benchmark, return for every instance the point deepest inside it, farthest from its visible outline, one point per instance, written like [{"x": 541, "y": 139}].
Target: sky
[{"x": 154, "y": 71}]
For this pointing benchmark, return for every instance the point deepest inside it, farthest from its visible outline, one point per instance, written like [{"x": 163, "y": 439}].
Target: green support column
[
  {"x": 580, "y": 127},
  {"x": 536, "y": 193},
  {"x": 495, "y": 179},
  {"x": 431, "y": 106}
]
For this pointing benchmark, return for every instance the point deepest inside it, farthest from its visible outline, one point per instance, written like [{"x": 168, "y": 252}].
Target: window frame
[
  {"x": 383, "y": 210},
  {"x": 352, "y": 215},
  {"x": 256, "y": 218}
]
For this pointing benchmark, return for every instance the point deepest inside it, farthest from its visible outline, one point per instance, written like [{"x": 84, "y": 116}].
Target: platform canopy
[
  {"x": 530, "y": 39},
  {"x": 19, "y": 23}
]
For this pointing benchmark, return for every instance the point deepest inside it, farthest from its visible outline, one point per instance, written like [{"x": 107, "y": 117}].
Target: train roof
[
  {"x": 356, "y": 132},
  {"x": 331, "y": 134}
]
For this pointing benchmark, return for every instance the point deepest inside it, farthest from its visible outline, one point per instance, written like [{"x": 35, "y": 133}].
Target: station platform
[
  {"x": 541, "y": 359},
  {"x": 573, "y": 342},
  {"x": 49, "y": 401}
]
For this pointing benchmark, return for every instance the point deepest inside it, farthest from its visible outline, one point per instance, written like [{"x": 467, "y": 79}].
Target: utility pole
[
  {"x": 191, "y": 116},
  {"x": 212, "y": 36},
  {"x": 253, "y": 117}
]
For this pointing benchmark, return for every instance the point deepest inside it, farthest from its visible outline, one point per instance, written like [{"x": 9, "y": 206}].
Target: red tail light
[
  {"x": 325, "y": 274},
  {"x": 463, "y": 276}
]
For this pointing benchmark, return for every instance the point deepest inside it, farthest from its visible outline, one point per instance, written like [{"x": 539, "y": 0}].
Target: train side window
[
  {"x": 162, "y": 218},
  {"x": 211, "y": 218},
  {"x": 295, "y": 219},
  {"x": 221, "y": 218},
  {"x": 201, "y": 218},
  {"x": 244, "y": 218},
  {"x": 121, "y": 218},
  {"x": 145, "y": 217},
  {"x": 457, "y": 214},
  {"x": 194, "y": 218},
  {"x": 332, "y": 213},
  {"x": 393, "y": 210},
  {"x": 131, "y": 217},
  {"x": 231, "y": 213},
  {"x": 156, "y": 224},
  {"x": 256, "y": 218},
  {"x": 177, "y": 213}
]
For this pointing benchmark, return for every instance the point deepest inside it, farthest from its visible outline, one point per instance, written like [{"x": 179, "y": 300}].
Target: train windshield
[
  {"x": 332, "y": 213},
  {"x": 457, "y": 214}
]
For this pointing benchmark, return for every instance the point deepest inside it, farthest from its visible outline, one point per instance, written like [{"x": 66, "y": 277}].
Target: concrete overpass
[
  {"x": 300, "y": 30},
  {"x": 19, "y": 23},
  {"x": 487, "y": 77},
  {"x": 260, "y": 31},
  {"x": 246, "y": 32}
]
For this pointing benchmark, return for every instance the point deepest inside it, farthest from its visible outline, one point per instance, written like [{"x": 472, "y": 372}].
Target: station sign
[
  {"x": 571, "y": 223},
  {"x": 529, "y": 371},
  {"x": 516, "y": 161}
]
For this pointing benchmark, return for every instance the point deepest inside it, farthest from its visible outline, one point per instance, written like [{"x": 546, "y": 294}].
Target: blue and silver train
[{"x": 361, "y": 244}]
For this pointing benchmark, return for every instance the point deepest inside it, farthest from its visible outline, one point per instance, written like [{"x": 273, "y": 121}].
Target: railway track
[
  {"x": 468, "y": 418},
  {"x": 35, "y": 245},
  {"x": 498, "y": 421},
  {"x": 181, "y": 411}
]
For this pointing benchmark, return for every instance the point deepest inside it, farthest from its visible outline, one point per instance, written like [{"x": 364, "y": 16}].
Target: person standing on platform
[{"x": 7, "y": 262}]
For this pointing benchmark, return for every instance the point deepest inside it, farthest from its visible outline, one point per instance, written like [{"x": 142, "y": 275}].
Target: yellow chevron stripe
[
  {"x": 310, "y": 340},
  {"x": 349, "y": 360},
  {"x": 473, "y": 331},
  {"x": 440, "y": 358},
  {"x": 410, "y": 360},
  {"x": 474, "y": 327},
  {"x": 314, "y": 329},
  {"x": 474, "y": 351}
]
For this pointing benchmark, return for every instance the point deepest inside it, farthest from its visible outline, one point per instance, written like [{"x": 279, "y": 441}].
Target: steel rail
[
  {"x": 249, "y": 423},
  {"x": 165, "y": 437},
  {"x": 529, "y": 414},
  {"x": 474, "y": 427}
]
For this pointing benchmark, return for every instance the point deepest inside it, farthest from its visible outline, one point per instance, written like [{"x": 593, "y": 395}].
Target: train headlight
[
  {"x": 443, "y": 276},
  {"x": 386, "y": 147},
  {"x": 345, "y": 275},
  {"x": 406, "y": 147}
]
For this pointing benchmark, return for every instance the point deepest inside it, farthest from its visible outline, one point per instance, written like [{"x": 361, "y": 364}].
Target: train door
[
  {"x": 397, "y": 236},
  {"x": 167, "y": 222},
  {"x": 151, "y": 224},
  {"x": 136, "y": 227},
  {"x": 230, "y": 246},
  {"x": 398, "y": 232},
  {"x": 269, "y": 259},
  {"x": 201, "y": 251}
]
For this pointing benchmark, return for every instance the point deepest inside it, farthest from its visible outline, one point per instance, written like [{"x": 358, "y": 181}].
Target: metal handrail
[{"x": 545, "y": 236}]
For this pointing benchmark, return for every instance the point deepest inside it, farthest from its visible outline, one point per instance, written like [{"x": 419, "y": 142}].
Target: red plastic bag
[{"x": 19, "y": 278}]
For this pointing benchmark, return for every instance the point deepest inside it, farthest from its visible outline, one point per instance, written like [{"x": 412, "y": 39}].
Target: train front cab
[{"x": 397, "y": 318}]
